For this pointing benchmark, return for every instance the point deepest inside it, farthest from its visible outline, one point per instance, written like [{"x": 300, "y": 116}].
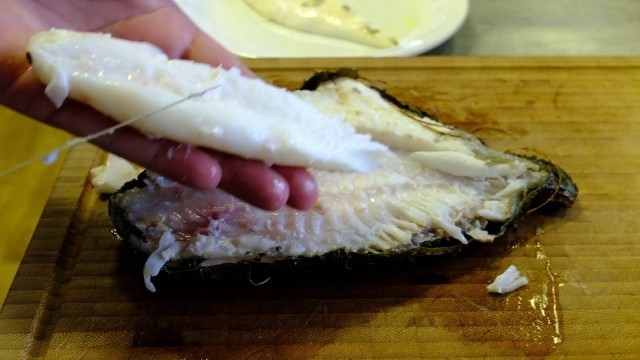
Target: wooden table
[{"x": 79, "y": 294}]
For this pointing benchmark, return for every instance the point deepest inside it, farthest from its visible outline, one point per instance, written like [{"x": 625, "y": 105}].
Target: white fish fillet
[
  {"x": 330, "y": 18},
  {"x": 242, "y": 116}
]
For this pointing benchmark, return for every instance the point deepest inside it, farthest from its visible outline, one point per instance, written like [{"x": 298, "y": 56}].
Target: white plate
[{"x": 418, "y": 25}]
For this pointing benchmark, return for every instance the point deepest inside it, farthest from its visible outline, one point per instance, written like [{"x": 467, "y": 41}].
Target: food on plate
[
  {"x": 510, "y": 280},
  {"x": 330, "y": 18},
  {"x": 442, "y": 189},
  {"x": 231, "y": 113}
]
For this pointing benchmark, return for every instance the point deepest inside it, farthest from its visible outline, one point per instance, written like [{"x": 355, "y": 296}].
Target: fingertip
[
  {"x": 303, "y": 190},
  {"x": 205, "y": 175},
  {"x": 306, "y": 196},
  {"x": 278, "y": 195},
  {"x": 254, "y": 182}
]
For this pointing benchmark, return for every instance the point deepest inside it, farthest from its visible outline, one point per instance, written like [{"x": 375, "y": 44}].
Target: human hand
[{"x": 159, "y": 22}]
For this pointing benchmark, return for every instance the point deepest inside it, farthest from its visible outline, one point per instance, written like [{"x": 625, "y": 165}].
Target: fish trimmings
[
  {"x": 508, "y": 281},
  {"x": 112, "y": 174}
]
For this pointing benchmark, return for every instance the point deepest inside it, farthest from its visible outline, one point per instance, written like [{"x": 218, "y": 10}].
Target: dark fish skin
[{"x": 558, "y": 190}]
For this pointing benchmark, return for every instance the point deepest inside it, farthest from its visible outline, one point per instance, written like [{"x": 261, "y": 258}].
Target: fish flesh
[
  {"x": 442, "y": 189},
  {"x": 233, "y": 113},
  {"x": 510, "y": 280},
  {"x": 112, "y": 174},
  {"x": 330, "y": 18}
]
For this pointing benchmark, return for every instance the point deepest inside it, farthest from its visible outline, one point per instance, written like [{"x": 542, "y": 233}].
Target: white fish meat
[
  {"x": 114, "y": 172},
  {"x": 330, "y": 18},
  {"x": 510, "y": 280},
  {"x": 443, "y": 185},
  {"x": 242, "y": 116}
]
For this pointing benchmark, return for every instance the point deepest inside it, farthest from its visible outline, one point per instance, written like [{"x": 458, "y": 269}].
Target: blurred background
[
  {"x": 492, "y": 28},
  {"x": 547, "y": 28}
]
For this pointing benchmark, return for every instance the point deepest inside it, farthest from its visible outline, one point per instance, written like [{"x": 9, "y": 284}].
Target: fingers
[
  {"x": 267, "y": 187},
  {"x": 250, "y": 180},
  {"x": 253, "y": 182},
  {"x": 189, "y": 165}
]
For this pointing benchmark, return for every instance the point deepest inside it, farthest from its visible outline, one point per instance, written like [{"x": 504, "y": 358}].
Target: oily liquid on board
[
  {"x": 441, "y": 308},
  {"x": 529, "y": 319},
  {"x": 536, "y": 326}
]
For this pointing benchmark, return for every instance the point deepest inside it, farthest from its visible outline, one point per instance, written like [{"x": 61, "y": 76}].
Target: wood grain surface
[
  {"x": 79, "y": 293},
  {"x": 23, "y": 194}
]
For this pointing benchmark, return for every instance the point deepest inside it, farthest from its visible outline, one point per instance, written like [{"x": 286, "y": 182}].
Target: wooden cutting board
[{"x": 79, "y": 294}]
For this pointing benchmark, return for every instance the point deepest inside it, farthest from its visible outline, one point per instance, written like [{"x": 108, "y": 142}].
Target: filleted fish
[
  {"x": 395, "y": 181},
  {"x": 441, "y": 187}
]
